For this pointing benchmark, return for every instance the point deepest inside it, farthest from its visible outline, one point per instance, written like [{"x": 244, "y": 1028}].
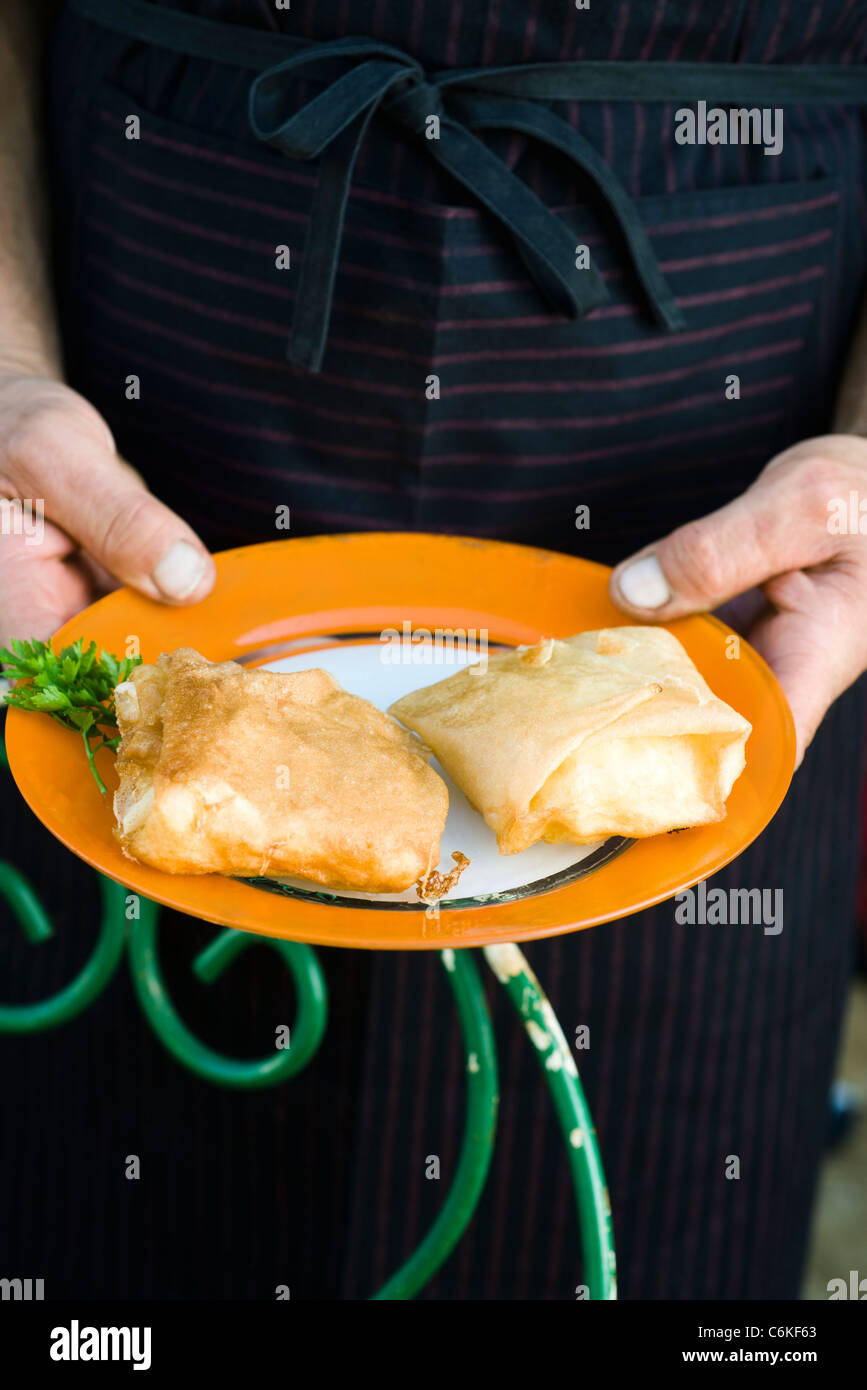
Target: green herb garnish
[{"x": 74, "y": 686}]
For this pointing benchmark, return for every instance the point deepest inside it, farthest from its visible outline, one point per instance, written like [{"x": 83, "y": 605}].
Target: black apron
[{"x": 454, "y": 259}]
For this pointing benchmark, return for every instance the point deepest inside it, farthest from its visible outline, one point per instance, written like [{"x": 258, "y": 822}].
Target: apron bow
[
  {"x": 331, "y": 127},
  {"x": 362, "y": 76}
]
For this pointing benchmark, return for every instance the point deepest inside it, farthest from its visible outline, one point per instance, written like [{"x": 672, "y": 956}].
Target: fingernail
[
  {"x": 179, "y": 571},
  {"x": 643, "y": 584}
]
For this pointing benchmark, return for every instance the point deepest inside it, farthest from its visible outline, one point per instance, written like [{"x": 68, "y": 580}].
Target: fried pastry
[
  {"x": 606, "y": 733},
  {"x": 249, "y": 772}
]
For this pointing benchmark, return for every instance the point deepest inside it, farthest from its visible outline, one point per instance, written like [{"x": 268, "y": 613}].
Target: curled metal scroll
[
  {"x": 281, "y": 1063},
  {"x": 508, "y": 963},
  {"x": 479, "y": 1131},
  {"x": 94, "y": 975},
  {"x": 512, "y": 969}
]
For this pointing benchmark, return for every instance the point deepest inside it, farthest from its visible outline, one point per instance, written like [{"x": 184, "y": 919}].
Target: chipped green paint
[
  {"x": 507, "y": 962},
  {"x": 594, "y": 1209},
  {"x": 478, "y": 1142},
  {"x": 537, "y": 1035}
]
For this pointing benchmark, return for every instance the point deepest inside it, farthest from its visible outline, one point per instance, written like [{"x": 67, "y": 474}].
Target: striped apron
[{"x": 333, "y": 308}]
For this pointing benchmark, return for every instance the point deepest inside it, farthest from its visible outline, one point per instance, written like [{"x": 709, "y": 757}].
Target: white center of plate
[{"x": 369, "y": 669}]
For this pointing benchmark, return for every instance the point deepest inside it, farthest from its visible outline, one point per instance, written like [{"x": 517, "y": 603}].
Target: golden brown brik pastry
[
  {"x": 249, "y": 772},
  {"x": 605, "y": 733}
]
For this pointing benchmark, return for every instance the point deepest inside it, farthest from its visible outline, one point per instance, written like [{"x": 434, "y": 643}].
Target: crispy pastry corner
[{"x": 256, "y": 773}]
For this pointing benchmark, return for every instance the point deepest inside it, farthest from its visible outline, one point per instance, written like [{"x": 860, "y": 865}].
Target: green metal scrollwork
[
  {"x": 28, "y": 911},
  {"x": 507, "y": 962},
  {"x": 513, "y": 971},
  {"x": 307, "y": 1031},
  {"x": 479, "y": 1131},
  {"x": 91, "y": 979}
]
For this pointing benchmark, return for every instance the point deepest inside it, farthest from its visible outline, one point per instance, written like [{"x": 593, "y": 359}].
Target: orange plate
[{"x": 269, "y": 595}]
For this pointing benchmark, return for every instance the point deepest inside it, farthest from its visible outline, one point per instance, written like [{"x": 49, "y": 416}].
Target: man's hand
[
  {"x": 807, "y": 614},
  {"x": 102, "y": 526}
]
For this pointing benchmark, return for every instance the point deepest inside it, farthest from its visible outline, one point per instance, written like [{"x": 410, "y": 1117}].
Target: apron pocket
[{"x": 539, "y": 414}]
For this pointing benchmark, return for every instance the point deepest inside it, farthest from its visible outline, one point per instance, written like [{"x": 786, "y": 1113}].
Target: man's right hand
[{"x": 102, "y": 526}]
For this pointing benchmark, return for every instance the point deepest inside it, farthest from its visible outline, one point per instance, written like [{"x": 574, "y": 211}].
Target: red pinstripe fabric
[{"x": 170, "y": 273}]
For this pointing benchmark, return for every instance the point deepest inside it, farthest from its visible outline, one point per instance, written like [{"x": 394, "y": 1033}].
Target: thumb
[
  {"x": 140, "y": 540},
  {"x": 711, "y": 560},
  {"x": 103, "y": 504}
]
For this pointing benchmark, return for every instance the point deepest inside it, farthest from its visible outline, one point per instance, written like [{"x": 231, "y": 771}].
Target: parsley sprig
[{"x": 75, "y": 686}]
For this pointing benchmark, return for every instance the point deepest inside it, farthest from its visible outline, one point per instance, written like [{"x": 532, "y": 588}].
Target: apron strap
[
  {"x": 331, "y": 126},
  {"x": 539, "y": 121},
  {"x": 334, "y": 123}
]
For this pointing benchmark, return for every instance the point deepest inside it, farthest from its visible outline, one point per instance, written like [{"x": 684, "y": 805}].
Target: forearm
[
  {"x": 28, "y": 331},
  {"x": 850, "y": 414}
]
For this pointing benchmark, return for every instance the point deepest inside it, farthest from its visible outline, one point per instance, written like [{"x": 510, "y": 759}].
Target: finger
[
  {"x": 34, "y": 620},
  {"x": 806, "y": 639},
  {"x": 778, "y": 524},
  {"x": 39, "y": 590},
  {"x": 101, "y": 501},
  {"x": 798, "y": 657},
  {"x": 744, "y": 610}
]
